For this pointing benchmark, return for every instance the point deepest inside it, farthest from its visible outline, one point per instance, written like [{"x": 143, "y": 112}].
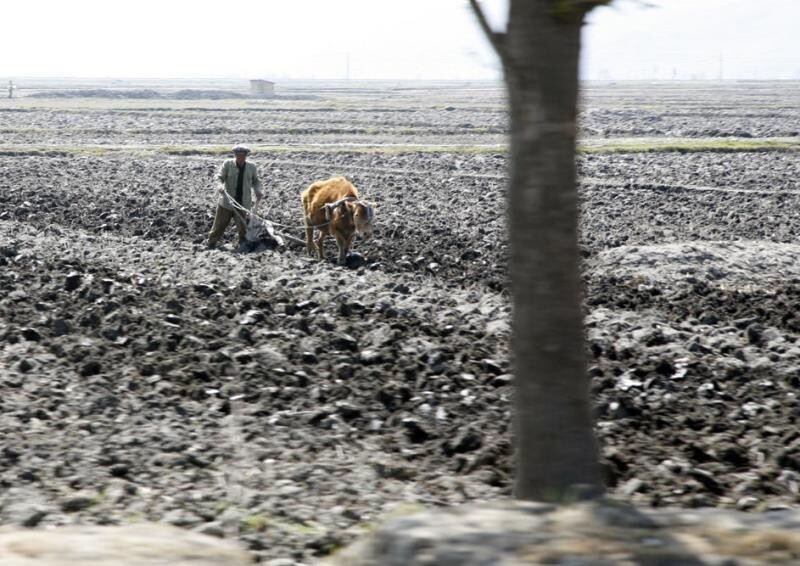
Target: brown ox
[{"x": 332, "y": 207}]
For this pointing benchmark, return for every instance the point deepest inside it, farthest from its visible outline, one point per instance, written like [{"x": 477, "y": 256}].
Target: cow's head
[{"x": 363, "y": 214}]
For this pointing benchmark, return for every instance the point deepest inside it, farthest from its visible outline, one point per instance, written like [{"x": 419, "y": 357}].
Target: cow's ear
[{"x": 369, "y": 207}]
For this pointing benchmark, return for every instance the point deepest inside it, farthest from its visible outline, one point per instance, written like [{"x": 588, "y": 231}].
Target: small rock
[
  {"x": 34, "y": 517},
  {"x": 771, "y": 335},
  {"x": 665, "y": 367},
  {"x": 109, "y": 334},
  {"x": 307, "y": 304},
  {"x": 746, "y": 503},
  {"x": 181, "y": 518},
  {"x": 10, "y": 454},
  {"x": 632, "y": 486},
  {"x": 354, "y": 260},
  {"x": 288, "y": 490},
  {"x": 252, "y": 316},
  {"x": 60, "y": 327},
  {"x": 708, "y": 318},
  {"x": 498, "y": 326},
  {"x": 348, "y": 410},
  {"x": 370, "y": 356},
  {"x": 8, "y": 250},
  {"x": 492, "y": 366},
  {"x": 343, "y": 370},
  {"x": 119, "y": 470},
  {"x": 466, "y": 440},
  {"x": 415, "y": 431},
  {"x": 707, "y": 480},
  {"x": 402, "y": 288},
  {"x": 73, "y": 281},
  {"x": 204, "y": 289},
  {"x": 213, "y": 529},
  {"x": 77, "y": 503},
  {"x": 30, "y": 334},
  {"x": 755, "y": 334},
  {"x": 173, "y": 319},
  {"x": 502, "y": 380},
  {"x": 25, "y": 508},
  {"x": 733, "y": 454},
  {"x": 343, "y": 341},
  {"x": 742, "y": 323},
  {"x": 393, "y": 470},
  {"x": 308, "y": 358},
  {"x": 92, "y": 367}
]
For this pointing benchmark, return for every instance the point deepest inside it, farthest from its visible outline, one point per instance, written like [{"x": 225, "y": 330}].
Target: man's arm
[
  {"x": 257, "y": 188},
  {"x": 223, "y": 176}
]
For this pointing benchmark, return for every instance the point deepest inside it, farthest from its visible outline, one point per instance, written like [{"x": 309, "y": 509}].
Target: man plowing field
[{"x": 239, "y": 181}]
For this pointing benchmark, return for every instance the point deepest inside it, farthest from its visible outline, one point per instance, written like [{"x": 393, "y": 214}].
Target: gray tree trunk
[{"x": 556, "y": 449}]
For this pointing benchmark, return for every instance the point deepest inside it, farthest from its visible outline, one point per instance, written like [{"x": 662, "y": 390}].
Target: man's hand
[{"x": 221, "y": 190}]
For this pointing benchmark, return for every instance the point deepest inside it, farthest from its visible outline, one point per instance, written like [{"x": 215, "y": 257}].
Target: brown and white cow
[{"x": 332, "y": 207}]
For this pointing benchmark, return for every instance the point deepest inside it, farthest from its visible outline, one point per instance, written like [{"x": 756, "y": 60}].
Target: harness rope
[
  {"x": 238, "y": 207},
  {"x": 274, "y": 223}
]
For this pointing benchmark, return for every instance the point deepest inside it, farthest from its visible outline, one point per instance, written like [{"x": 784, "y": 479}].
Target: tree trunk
[{"x": 556, "y": 452}]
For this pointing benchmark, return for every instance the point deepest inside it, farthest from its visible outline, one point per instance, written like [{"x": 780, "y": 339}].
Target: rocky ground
[
  {"x": 290, "y": 403},
  {"x": 602, "y": 533}
]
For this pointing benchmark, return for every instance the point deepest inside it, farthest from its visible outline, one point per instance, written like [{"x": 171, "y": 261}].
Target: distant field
[{"x": 622, "y": 117}]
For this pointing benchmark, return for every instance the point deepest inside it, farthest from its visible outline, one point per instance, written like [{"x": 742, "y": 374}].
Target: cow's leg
[
  {"x": 348, "y": 245},
  {"x": 320, "y": 247},
  {"x": 343, "y": 243},
  {"x": 309, "y": 239}
]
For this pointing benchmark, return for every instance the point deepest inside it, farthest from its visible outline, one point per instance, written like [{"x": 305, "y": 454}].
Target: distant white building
[{"x": 262, "y": 89}]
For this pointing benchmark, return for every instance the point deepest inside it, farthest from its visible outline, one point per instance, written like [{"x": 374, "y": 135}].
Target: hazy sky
[{"x": 382, "y": 39}]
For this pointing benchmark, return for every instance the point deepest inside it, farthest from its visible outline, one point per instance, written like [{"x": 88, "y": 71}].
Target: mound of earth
[
  {"x": 602, "y": 532},
  {"x": 97, "y": 93},
  {"x": 184, "y": 94},
  {"x": 197, "y": 94}
]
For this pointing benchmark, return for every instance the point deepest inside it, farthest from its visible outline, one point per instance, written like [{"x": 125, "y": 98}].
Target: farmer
[{"x": 239, "y": 179}]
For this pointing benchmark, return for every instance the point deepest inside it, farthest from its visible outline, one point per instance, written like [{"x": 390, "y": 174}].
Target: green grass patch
[
  {"x": 221, "y": 150},
  {"x": 689, "y": 146},
  {"x": 261, "y": 523},
  {"x": 256, "y": 523},
  {"x": 57, "y": 151},
  {"x": 585, "y": 147}
]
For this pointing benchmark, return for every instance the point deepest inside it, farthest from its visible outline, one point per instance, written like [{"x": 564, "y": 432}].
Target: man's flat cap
[{"x": 241, "y": 149}]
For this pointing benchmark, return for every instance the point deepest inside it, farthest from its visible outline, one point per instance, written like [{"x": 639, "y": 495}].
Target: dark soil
[{"x": 291, "y": 402}]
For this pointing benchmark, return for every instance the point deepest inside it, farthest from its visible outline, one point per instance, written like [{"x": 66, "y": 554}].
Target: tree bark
[{"x": 557, "y": 456}]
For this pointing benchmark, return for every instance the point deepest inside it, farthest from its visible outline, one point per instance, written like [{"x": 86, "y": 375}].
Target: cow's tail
[
  {"x": 306, "y": 197},
  {"x": 304, "y": 201}
]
